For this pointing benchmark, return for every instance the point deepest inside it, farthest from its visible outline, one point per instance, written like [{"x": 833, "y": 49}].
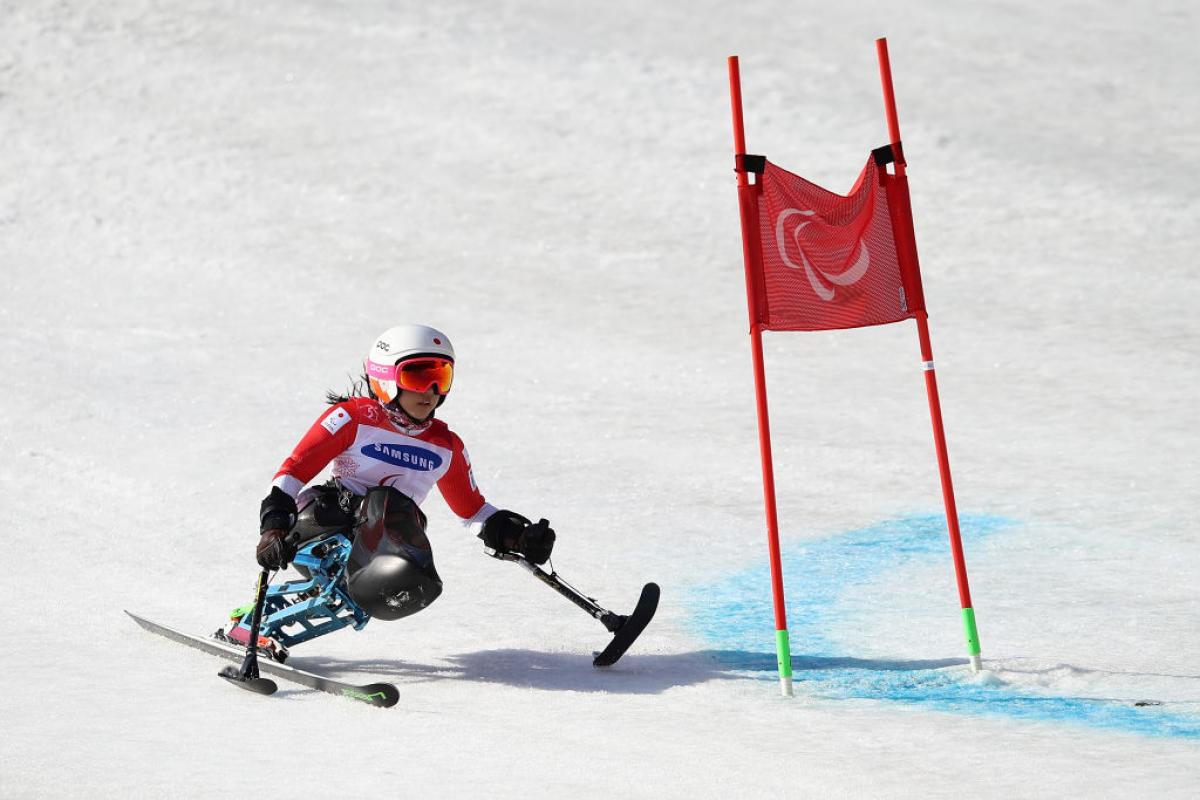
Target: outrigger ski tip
[
  {"x": 249, "y": 683},
  {"x": 631, "y": 629},
  {"x": 625, "y": 630}
]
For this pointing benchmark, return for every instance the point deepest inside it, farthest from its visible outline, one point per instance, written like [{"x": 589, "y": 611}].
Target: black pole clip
[
  {"x": 888, "y": 154},
  {"x": 747, "y": 163}
]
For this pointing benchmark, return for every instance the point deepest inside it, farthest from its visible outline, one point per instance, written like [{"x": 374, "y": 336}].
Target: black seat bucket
[{"x": 390, "y": 572}]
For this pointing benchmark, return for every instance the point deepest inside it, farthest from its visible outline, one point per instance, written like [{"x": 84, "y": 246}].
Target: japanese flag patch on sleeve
[{"x": 335, "y": 420}]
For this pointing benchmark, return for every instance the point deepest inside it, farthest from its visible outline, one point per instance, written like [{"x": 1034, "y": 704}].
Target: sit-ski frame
[{"x": 318, "y": 605}]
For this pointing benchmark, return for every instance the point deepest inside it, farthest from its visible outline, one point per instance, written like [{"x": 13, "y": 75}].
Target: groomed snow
[{"x": 207, "y": 211}]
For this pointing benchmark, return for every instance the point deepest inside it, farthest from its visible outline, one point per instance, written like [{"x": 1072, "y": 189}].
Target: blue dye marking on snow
[{"x": 823, "y": 578}]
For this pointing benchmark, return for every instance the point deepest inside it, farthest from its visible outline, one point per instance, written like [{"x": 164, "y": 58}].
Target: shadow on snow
[{"x": 635, "y": 674}]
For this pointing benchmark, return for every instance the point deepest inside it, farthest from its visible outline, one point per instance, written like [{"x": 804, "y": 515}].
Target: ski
[
  {"x": 633, "y": 626},
  {"x": 384, "y": 695}
]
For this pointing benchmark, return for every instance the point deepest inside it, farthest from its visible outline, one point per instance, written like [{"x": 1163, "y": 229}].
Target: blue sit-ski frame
[{"x": 319, "y": 605}]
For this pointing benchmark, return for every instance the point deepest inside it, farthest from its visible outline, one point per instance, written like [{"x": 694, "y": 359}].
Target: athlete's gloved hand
[
  {"x": 537, "y": 541},
  {"x": 276, "y": 517},
  {"x": 274, "y": 550},
  {"x": 278, "y": 510},
  {"x": 508, "y": 530}
]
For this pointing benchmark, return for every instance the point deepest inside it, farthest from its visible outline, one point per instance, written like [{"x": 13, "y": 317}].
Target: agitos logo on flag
[{"x": 827, "y": 260}]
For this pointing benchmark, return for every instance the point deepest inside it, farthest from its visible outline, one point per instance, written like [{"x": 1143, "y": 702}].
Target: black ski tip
[
  {"x": 628, "y": 633},
  {"x": 384, "y": 695},
  {"x": 256, "y": 685}
]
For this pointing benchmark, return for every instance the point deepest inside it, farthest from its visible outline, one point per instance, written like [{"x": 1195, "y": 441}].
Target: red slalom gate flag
[
  {"x": 830, "y": 261},
  {"x": 817, "y": 260}
]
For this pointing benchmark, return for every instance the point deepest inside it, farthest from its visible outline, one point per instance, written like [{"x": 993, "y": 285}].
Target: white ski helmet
[{"x": 398, "y": 344}]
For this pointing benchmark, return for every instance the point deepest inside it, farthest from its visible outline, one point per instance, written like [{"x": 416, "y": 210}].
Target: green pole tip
[
  {"x": 968, "y": 618},
  {"x": 783, "y": 653}
]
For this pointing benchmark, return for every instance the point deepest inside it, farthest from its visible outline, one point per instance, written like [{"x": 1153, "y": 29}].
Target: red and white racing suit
[{"x": 368, "y": 450}]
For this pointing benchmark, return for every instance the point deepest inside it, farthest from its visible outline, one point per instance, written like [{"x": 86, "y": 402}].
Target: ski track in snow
[{"x": 824, "y": 575}]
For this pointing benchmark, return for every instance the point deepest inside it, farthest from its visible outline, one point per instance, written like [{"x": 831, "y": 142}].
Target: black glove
[
  {"x": 537, "y": 541},
  {"x": 276, "y": 517},
  {"x": 274, "y": 550},
  {"x": 508, "y": 530},
  {"x": 278, "y": 511}
]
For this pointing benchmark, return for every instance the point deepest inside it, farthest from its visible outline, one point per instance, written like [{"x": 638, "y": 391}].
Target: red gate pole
[
  {"x": 935, "y": 408},
  {"x": 751, "y": 255}
]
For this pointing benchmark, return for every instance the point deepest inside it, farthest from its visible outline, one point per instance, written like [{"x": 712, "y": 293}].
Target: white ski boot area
[{"x": 208, "y": 211}]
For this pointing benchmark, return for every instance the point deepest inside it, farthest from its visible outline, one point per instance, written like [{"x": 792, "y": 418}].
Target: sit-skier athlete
[{"x": 387, "y": 451}]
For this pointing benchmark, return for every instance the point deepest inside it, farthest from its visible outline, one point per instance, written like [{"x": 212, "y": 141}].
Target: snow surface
[{"x": 207, "y": 211}]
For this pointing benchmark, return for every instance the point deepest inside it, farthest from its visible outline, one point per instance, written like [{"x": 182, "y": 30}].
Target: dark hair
[{"x": 359, "y": 387}]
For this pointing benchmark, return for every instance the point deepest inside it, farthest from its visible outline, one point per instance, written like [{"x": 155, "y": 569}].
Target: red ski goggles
[
  {"x": 422, "y": 374},
  {"x": 418, "y": 374}
]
